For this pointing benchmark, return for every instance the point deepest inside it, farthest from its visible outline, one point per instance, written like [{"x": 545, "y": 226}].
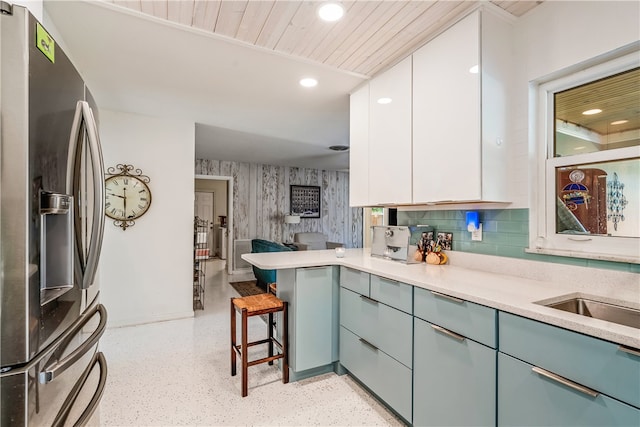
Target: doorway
[
  {"x": 221, "y": 233},
  {"x": 203, "y": 208}
]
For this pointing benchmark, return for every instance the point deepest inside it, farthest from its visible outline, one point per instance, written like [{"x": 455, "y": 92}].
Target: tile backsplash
[{"x": 505, "y": 232}]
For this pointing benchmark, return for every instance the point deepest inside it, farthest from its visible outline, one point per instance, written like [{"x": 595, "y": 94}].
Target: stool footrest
[
  {"x": 238, "y": 347},
  {"x": 264, "y": 359}
]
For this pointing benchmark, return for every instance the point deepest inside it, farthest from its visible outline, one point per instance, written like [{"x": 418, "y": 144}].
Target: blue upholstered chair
[{"x": 265, "y": 277}]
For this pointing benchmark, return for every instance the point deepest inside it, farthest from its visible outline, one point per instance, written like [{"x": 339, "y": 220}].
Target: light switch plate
[{"x": 477, "y": 235}]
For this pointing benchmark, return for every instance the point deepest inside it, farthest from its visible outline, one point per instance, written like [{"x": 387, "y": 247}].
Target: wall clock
[{"x": 127, "y": 195}]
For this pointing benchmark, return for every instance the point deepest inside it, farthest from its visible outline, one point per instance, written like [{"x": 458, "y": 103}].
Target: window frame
[{"x": 542, "y": 213}]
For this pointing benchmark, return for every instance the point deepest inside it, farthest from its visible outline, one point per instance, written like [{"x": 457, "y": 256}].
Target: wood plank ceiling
[
  {"x": 371, "y": 36},
  {"x": 617, "y": 96}
]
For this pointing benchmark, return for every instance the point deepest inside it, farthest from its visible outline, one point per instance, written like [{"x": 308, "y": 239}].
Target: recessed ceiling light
[
  {"x": 330, "y": 12},
  {"x": 592, "y": 112},
  {"x": 474, "y": 69},
  {"x": 384, "y": 101},
  {"x": 308, "y": 82},
  {"x": 619, "y": 122}
]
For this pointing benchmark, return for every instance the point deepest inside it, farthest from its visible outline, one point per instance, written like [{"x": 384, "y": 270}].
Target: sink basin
[{"x": 600, "y": 310}]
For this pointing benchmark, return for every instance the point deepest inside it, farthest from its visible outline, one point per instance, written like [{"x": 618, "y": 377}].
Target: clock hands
[{"x": 116, "y": 195}]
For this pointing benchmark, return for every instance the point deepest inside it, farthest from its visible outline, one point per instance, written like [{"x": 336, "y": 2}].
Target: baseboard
[
  {"x": 241, "y": 276},
  {"x": 120, "y": 323},
  {"x": 301, "y": 375}
]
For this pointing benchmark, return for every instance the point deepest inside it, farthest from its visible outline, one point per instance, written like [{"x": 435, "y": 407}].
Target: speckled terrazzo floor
[{"x": 177, "y": 373}]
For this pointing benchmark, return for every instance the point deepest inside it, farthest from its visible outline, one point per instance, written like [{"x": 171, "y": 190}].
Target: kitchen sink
[{"x": 600, "y": 310}]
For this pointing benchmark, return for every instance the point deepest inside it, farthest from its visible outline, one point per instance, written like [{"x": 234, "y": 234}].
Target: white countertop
[{"x": 513, "y": 293}]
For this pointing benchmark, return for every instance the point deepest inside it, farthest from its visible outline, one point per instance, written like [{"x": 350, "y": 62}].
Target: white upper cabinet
[
  {"x": 460, "y": 84},
  {"x": 390, "y": 136},
  {"x": 435, "y": 127},
  {"x": 359, "y": 147}
]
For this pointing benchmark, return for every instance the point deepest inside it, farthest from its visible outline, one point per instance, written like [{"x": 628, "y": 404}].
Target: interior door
[{"x": 204, "y": 210}]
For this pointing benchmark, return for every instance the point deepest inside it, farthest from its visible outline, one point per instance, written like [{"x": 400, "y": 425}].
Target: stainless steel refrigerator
[{"x": 51, "y": 228}]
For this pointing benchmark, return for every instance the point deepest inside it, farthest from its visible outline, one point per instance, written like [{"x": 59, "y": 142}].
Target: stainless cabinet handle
[
  {"x": 629, "y": 350},
  {"x": 366, "y": 298},
  {"x": 367, "y": 343},
  {"x": 448, "y": 297},
  {"x": 565, "y": 382},
  {"x": 448, "y": 332},
  {"x": 313, "y": 268}
]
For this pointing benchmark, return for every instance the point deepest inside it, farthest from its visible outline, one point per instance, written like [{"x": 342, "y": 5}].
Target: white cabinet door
[
  {"x": 497, "y": 65},
  {"x": 390, "y": 136},
  {"x": 359, "y": 147},
  {"x": 446, "y": 116}
]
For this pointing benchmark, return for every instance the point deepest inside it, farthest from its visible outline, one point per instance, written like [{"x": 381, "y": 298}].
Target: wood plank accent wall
[{"x": 261, "y": 198}]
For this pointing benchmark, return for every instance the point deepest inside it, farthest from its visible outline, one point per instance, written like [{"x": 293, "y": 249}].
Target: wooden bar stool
[{"x": 256, "y": 305}]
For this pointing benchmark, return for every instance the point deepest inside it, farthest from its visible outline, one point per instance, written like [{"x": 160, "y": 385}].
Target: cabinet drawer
[
  {"x": 471, "y": 320},
  {"x": 357, "y": 281},
  {"x": 592, "y": 362},
  {"x": 393, "y": 293},
  {"x": 525, "y": 396},
  {"x": 454, "y": 380},
  {"x": 387, "y": 378},
  {"x": 385, "y": 327}
]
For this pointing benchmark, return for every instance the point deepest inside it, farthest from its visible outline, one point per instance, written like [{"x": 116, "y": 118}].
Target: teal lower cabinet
[
  {"x": 551, "y": 376},
  {"x": 454, "y": 379},
  {"x": 389, "y": 379},
  {"x": 376, "y": 337},
  {"x": 385, "y": 327},
  {"x": 534, "y": 397},
  {"x": 312, "y": 294},
  {"x": 609, "y": 368}
]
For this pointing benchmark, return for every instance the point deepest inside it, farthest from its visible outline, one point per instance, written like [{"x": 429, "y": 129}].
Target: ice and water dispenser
[{"x": 56, "y": 245}]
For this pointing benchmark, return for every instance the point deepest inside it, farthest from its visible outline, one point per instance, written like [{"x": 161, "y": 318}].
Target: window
[{"x": 587, "y": 168}]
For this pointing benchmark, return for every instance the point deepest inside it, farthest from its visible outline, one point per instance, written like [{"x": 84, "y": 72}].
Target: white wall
[
  {"x": 146, "y": 271},
  {"x": 553, "y": 36}
]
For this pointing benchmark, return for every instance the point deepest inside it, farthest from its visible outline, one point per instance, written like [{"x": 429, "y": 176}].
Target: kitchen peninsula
[{"x": 426, "y": 339}]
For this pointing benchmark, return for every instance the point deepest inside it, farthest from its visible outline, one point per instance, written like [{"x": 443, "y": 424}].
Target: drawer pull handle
[
  {"x": 313, "y": 268},
  {"x": 368, "y": 344},
  {"x": 629, "y": 350},
  {"x": 448, "y": 332},
  {"x": 566, "y": 382},
  {"x": 366, "y": 298},
  {"x": 450, "y": 298}
]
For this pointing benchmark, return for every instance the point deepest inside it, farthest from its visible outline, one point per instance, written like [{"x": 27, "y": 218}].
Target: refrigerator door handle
[
  {"x": 84, "y": 122},
  {"x": 97, "y": 232},
  {"x": 63, "y": 414},
  {"x": 55, "y": 369}
]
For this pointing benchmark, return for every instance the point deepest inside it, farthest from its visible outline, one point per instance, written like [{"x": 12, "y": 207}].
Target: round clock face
[{"x": 127, "y": 197}]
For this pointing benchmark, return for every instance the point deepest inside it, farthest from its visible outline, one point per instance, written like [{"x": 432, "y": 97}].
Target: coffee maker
[{"x": 398, "y": 243}]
